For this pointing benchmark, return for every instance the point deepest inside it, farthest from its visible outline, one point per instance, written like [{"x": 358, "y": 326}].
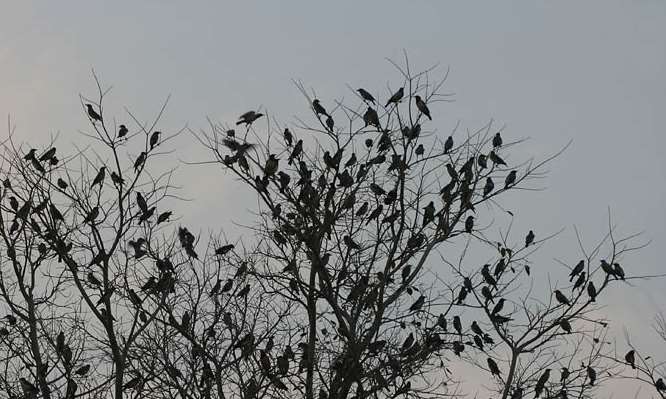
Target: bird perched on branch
[
  {"x": 396, "y": 97},
  {"x": 249, "y": 117},
  {"x": 365, "y": 95},
  {"x": 421, "y": 105},
  {"x": 93, "y": 114},
  {"x": 318, "y": 108}
]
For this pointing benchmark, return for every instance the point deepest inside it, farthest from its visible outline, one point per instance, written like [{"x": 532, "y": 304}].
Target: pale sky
[{"x": 592, "y": 71}]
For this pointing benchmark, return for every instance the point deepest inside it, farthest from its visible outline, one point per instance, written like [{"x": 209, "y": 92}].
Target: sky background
[{"x": 592, "y": 72}]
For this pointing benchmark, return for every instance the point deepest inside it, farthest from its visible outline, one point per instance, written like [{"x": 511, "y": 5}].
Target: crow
[
  {"x": 576, "y": 270},
  {"x": 630, "y": 358},
  {"x": 561, "y": 298},
  {"x": 510, "y": 179},
  {"x": 494, "y": 370},
  {"x": 154, "y": 138},
  {"x": 529, "y": 238},
  {"x": 371, "y": 118},
  {"x": 396, "y": 97},
  {"x": 122, "y": 131},
  {"x": 421, "y": 105},
  {"x": 318, "y": 108},
  {"x": 497, "y": 140},
  {"x": 249, "y": 117},
  {"x": 93, "y": 114},
  {"x": 448, "y": 144},
  {"x": 365, "y": 95}
]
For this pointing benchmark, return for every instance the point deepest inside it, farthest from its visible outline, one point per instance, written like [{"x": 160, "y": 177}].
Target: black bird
[
  {"x": 448, "y": 144},
  {"x": 149, "y": 285},
  {"x": 216, "y": 288},
  {"x": 619, "y": 271},
  {"x": 55, "y": 213},
  {"x": 497, "y": 140},
  {"x": 296, "y": 152},
  {"x": 93, "y": 280},
  {"x": 141, "y": 202},
  {"x": 592, "y": 291},
  {"x": 564, "y": 374},
  {"x": 365, "y": 95},
  {"x": 510, "y": 179},
  {"x": 288, "y": 137},
  {"x": 660, "y": 385},
  {"x": 419, "y": 150},
  {"x": 48, "y": 154},
  {"x": 457, "y": 324},
  {"x": 408, "y": 342},
  {"x": 318, "y": 108},
  {"x": 607, "y": 268},
  {"x": 498, "y": 307},
  {"x": 117, "y": 180},
  {"x": 223, "y": 250},
  {"x": 99, "y": 178},
  {"x": 462, "y": 294},
  {"x": 421, "y": 105},
  {"x": 330, "y": 123},
  {"x": 630, "y": 358},
  {"x": 154, "y": 138},
  {"x": 541, "y": 383},
  {"x": 592, "y": 375},
  {"x": 428, "y": 213},
  {"x": 83, "y": 370},
  {"x": 579, "y": 282},
  {"x": 93, "y": 114},
  {"x": 451, "y": 171},
  {"x": 29, "y": 389},
  {"x": 418, "y": 304},
  {"x": 271, "y": 165},
  {"x": 371, "y": 118},
  {"x": 482, "y": 161},
  {"x": 529, "y": 238},
  {"x": 489, "y": 187},
  {"x": 140, "y": 160},
  {"x": 496, "y": 159},
  {"x": 561, "y": 298},
  {"x": 476, "y": 329},
  {"x": 92, "y": 215},
  {"x": 350, "y": 243},
  {"x": 494, "y": 370},
  {"x": 62, "y": 184},
  {"x": 517, "y": 393},
  {"x": 249, "y": 117},
  {"x": 164, "y": 216},
  {"x": 469, "y": 224},
  {"x": 396, "y": 97},
  {"x": 577, "y": 269},
  {"x": 122, "y": 131}
]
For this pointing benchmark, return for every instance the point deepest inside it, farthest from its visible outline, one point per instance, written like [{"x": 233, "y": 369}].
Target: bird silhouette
[
  {"x": 249, "y": 117},
  {"x": 421, "y": 105},
  {"x": 419, "y": 150},
  {"x": 48, "y": 154},
  {"x": 396, "y": 97},
  {"x": 576, "y": 270},
  {"x": 365, "y": 95},
  {"x": 592, "y": 291},
  {"x": 288, "y": 137},
  {"x": 541, "y": 383},
  {"x": 122, "y": 131},
  {"x": 428, "y": 213},
  {"x": 482, "y": 161},
  {"x": 510, "y": 179},
  {"x": 630, "y": 358},
  {"x": 164, "y": 216},
  {"x": 330, "y": 123},
  {"x": 154, "y": 139},
  {"x": 271, "y": 165},
  {"x": 92, "y": 215},
  {"x": 496, "y": 159},
  {"x": 497, "y": 140},
  {"x": 469, "y": 224},
  {"x": 489, "y": 187},
  {"x": 529, "y": 238},
  {"x": 457, "y": 324},
  {"x": 418, "y": 304},
  {"x": 370, "y": 118},
  {"x": 498, "y": 307},
  {"x": 140, "y": 161},
  {"x": 592, "y": 375},
  {"x": 561, "y": 298},
  {"x": 494, "y": 370},
  {"x": 619, "y": 271},
  {"x": 318, "y": 108},
  {"x": 580, "y": 281},
  {"x": 93, "y": 114}
]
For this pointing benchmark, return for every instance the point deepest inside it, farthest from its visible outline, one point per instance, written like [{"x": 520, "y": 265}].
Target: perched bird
[
  {"x": 482, "y": 161},
  {"x": 619, "y": 271},
  {"x": 497, "y": 140},
  {"x": 371, "y": 118},
  {"x": 541, "y": 383},
  {"x": 489, "y": 186},
  {"x": 494, "y": 370},
  {"x": 154, "y": 138},
  {"x": 48, "y": 154},
  {"x": 457, "y": 324},
  {"x": 117, "y": 180},
  {"x": 592, "y": 375},
  {"x": 62, "y": 184},
  {"x": 421, "y": 105},
  {"x": 448, "y": 144},
  {"x": 607, "y": 268},
  {"x": 216, "y": 288},
  {"x": 83, "y": 370},
  {"x": 99, "y": 178},
  {"x": 592, "y": 291},
  {"x": 330, "y": 123},
  {"x": 496, "y": 159},
  {"x": 561, "y": 298},
  {"x": 498, "y": 307},
  {"x": 469, "y": 224},
  {"x": 418, "y": 304},
  {"x": 630, "y": 358},
  {"x": 249, "y": 117},
  {"x": 296, "y": 152},
  {"x": 510, "y": 179},
  {"x": 365, "y": 95},
  {"x": 92, "y": 215},
  {"x": 396, "y": 97},
  {"x": 428, "y": 213},
  {"x": 318, "y": 108},
  {"x": 580, "y": 281},
  {"x": 529, "y": 238},
  {"x": 288, "y": 137},
  {"x": 660, "y": 385},
  {"x": 122, "y": 131},
  {"x": 164, "y": 216},
  {"x": 419, "y": 150},
  {"x": 476, "y": 329},
  {"x": 140, "y": 160},
  {"x": 576, "y": 270},
  {"x": 271, "y": 165},
  {"x": 223, "y": 250},
  {"x": 93, "y": 114}
]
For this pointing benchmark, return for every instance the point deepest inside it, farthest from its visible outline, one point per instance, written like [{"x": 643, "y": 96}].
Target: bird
[
  {"x": 365, "y": 95},
  {"x": 476, "y": 329},
  {"x": 619, "y": 271},
  {"x": 83, "y": 370},
  {"x": 419, "y": 150},
  {"x": 592, "y": 375},
  {"x": 510, "y": 179},
  {"x": 164, "y": 216},
  {"x": 482, "y": 161},
  {"x": 227, "y": 286},
  {"x": 318, "y": 108},
  {"x": 330, "y": 123},
  {"x": 296, "y": 152},
  {"x": 541, "y": 383},
  {"x": 576, "y": 270},
  {"x": 660, "y": 385},
  {"x": 469, "y": 224},
  {"x": 141, "y": 202},
  {"x": 494, "y": 370},
  {"x": 529, "y": 238},
  {"x": 271, "y": 165},
  {"x": 92, "y": 215},
  {"x": 154, "y": 138},
  {"x": 62, "y": 184},
  {"x": 288, "y": 137},
  {"x": 371, "y": 118},
  {"x": 421, "y": 105},
  {"x": 428, "y": 213},
  {"x": 457, "y": 324},
  {"x": 408, "y": 342},
  {"x": 122, "y": 131},
  {"x": 592, "y": 291},
  {"x": 489, "y": 186},
  {"x": 99, "y": 178},
  {"x": 498, "y": 307},
  {"x": 630, "y": 358},
  {"x": 607, "y": 268},
  {"x": 496, "y": 159},
  {"x": 448, "y": 144},
  {"x": 497, "y": 140},
  {"x": 216, "y": 288},
  {"x": 249, "y": 117},
  {"x": 396, "y": 97},
  {"x": 416, "y": 306},
  {"x": 48, "y": 154},
  {"x": 93, "y": 114},
  {"x": 579, "y": 282},
  {"x": 140, "y": 160},
  {"x": 561, "y": 298}
]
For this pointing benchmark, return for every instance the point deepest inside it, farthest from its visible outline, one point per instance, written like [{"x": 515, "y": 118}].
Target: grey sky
[{"x": 590, "y": 71}]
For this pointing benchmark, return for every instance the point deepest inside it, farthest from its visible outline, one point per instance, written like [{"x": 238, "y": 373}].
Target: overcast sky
[{"x": 593, "y": 72}]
